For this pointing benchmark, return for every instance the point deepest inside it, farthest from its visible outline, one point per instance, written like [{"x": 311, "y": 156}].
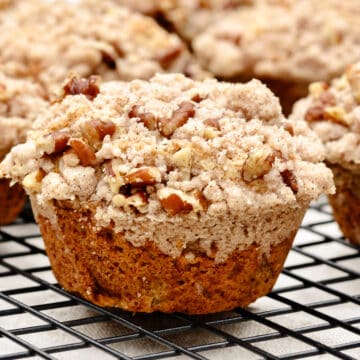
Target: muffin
[
  {"x": 45, "y": 40},
  {"x": 287, "y": 44},
  {"x": 20, "y": 101},
  {"x": 169, "y": 194},
  {"x": 333, "y": 111}
]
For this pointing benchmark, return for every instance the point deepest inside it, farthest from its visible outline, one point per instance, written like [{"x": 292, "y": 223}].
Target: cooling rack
[{"x": 313, "y": 311}]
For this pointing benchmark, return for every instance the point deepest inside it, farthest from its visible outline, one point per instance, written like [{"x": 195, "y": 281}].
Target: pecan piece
[
  {"x": 147, "y": 118},
  {"x": 143, "y": 176},
  {"x": 258, "y": 163},
  {"x": 139, "y": 201},
  {"x": 179, "y": 117},
  {"x": 289, "y": 179},
  {"x": 87, "y": 87},
  {"x": 60, "y": 140},
  {"x": 84, "y": 152},
  {"x": 96, "y": 130},
  {"x": 315, "y": 113},
  {"x": 168, "y": 56},
  {"x": 174, "y": 202},
  {"x": 213, "y": 123},
  {"x": 32, "y": 181}
]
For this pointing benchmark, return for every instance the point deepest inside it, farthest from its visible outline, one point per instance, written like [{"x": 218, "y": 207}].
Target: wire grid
[{"x": 313, "y": 310}]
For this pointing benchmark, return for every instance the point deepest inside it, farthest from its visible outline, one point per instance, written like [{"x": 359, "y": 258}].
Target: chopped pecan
[
  {"x": 327, "y": 98},
  {"x": 84, "y": 152},
  {"x": 147, "y": 118},
  {"x": 315, "y": 113},
  {"x": 179, "y": 117},
  {"x": 108, "y": 169},
  {"x": 32, "y": 181},
  {"x": 182, "y": 158},
  {"x": 288, "y": 126},
  {"x": 139, "y": 201},
  {"x": 258, "y": 163},
  {"x": 60, "y": 140},
  {"x": 173, "y": 202},
  {"x": 87, "y": 87},
  {"x": 213, "y": 123},
  {"x": 202, "y": 200},
  {"x": 143, "y": 176},
  {"x": 289, "y": 179},
  {"x": 169, "y": 55},
  {"x": 197, "y": 98},
  {"x": 96, "y": 130},
  {"x": 336, "y": 114}
]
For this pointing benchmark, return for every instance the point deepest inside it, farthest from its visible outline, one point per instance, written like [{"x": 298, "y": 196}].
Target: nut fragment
[
  {"x": 315, "y": 113},
  {"x": 336, "y": 114},
  {"x": 174, "y": 201},
  {"x": 143, "y": 176},
  {"x": 87, "y": 87},
  {"x": 96, "y": 130},
  {"x": 139, "y": 201},
  {"x": 60, "y": 140},
  {"x": 147, "y": 118},
  {"x": 182, "y": 158},
  {"x": 84, "y": 152},
  {"x": 258, "y": 163},
  {"x": 179, "y": 117},
  {"x": 317, "y": 88},
  {"x": 289, "y": 179},
  {"x": 213, "y": 123},
  {"x": 202, "y": 200},
  {"x": 168, "y": 56},
  {"x": 32, "y": 181}
]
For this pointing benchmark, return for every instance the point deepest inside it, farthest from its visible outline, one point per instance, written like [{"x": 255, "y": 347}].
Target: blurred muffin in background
[
  {"x": 333, "y": 111},
  {"x": 287, "y": 44},
  {"x": 45, "y": 40},
  {"x": 20, "y": 101}
]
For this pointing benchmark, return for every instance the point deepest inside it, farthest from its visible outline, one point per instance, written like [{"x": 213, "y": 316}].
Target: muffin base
[
  {"x": 346, "y": 202},
  {"x": 12, "y": 201},
  {"x": 109, "y": 271}
]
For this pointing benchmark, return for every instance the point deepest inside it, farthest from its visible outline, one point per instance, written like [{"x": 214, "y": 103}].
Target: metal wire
[{"x": 242, "y": 333}]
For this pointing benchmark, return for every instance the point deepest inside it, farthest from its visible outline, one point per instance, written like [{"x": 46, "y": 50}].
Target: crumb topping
[
  {"x": 333, "y": 111},
  {"x": 47, "y": 39},
  {"x": 303, "y": 40},
  {"x": 20, "y": 101},
  {"x": 168, "y": 152}
]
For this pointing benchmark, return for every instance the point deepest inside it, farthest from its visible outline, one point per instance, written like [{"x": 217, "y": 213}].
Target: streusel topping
[
  {"x": 302, "y": 40},
  {"x": 47, "y": 39},
  {"x": 195, "y": 155},
  {"x": 20, "y": 101},
  {"x": 333, "y": 111}
]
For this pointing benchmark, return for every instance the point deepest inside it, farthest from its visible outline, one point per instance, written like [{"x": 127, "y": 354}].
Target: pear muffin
[
  {"x": 20, "y": 101},
  {"x": 46, "y": 40},
  {"x": 169, "y": 194},
  {"x": 333, "y": 111},
  {"x": 288, "y": 44}
]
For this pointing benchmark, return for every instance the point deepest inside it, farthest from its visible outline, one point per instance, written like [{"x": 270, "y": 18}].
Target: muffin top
[
  {"x": 191, "y": 17},
  {"x": 20, "y": 101},
  {"x": 302, "y": 40},
  {"x": 169, "y": 147},
  {"x": 333, "y": 111},
  {"x": 46, "y": 39}
]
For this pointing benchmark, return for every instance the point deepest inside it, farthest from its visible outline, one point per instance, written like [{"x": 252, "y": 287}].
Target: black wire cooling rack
[{"x": 313, "y": 311}]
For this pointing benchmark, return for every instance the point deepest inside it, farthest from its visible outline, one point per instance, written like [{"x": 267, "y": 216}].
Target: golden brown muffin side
[{"x": 109, "y": 271}]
